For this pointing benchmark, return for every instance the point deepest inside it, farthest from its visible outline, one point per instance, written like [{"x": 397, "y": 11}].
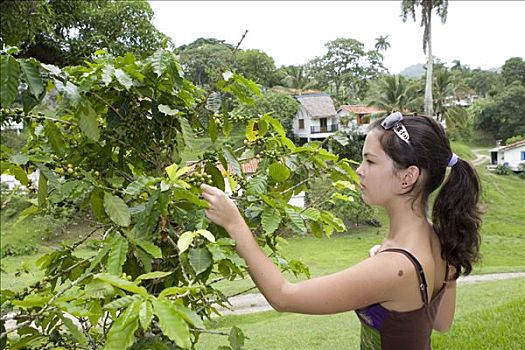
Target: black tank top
[{"x": 383, "y": 329}]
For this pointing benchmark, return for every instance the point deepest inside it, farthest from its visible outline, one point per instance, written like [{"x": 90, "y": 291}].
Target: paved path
[
  {"x": 251, "y": 303},
  {"x": 481, "y": 158}
]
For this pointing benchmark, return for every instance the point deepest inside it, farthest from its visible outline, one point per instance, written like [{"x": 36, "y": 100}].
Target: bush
[
  {"x": 502, "y": 169},
  {"x": 10, "y": 250}
]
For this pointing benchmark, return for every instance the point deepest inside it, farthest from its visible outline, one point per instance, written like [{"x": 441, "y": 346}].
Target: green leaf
[
  {"x": 121, "y": 302},
  {"x": 153, "y": 275},
  {"x": 42, "y": 190},
  {"x": 122, "y": 284},
  {"x": 171, "y": 323},
  {"x": 19, "y": 174},
  {"x": 236, "y": 338},
  {"x": 32, "y": 75},
  {"x": 160, "y": 61},
  {"x": 311, "y": 213},
  {"x": 26, "y": 212},
  {"x": 185, "y": 240},
  {"x": 123, "y": 78},
  {"x": 213, "y": 131},
  {"x": 117, "y": 209},
  {"x": 187, "y": 133},
  {"x": 97, "y": 203},
  {"x": 50, "y": 176},
  {"x": 145, "y": 314},
  {"x": 200, "y": 259},
  {"x": 19, "y": 158},
  {"x": 138, "y": 185},
  {"x": 167, "y": 110},
  {"x": 150, "y": 248},
  {"x": 207, "y": 234},
  {"x": 107, "y": 73},
  {"x": 174, "y": 172},
  {"x": 279, "y": 172},
  {"x": 251, "y": 132},
  {"x": 32, "y": 300},
  {"x": 117, "y": 255},
  {"x": 271, "y": 218},
  {"x": 189, "y": 316},
  {"x": 55, "y": 138},
  {"x": 74, "y": 331},
  {"x": 277, "y": 126},
  {"x": 248, "y": 84},
  {"x": 180, "y": 193},
  {"x": 88, "y": 120},
  {"x": 10, "y": 79},
  {"x": 122, "y": 332},
  {"x": 296, "y": 220},
  {"x": 217, "y": 177},
  {"x": 232, "y": 160},
  {"x": 256, "y": 185}
]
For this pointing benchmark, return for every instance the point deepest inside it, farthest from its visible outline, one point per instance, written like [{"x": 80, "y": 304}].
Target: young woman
[{"x": 407, "y": 286}]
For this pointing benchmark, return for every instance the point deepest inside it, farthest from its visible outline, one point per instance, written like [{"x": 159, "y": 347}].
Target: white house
[
  {"x": 316, "y": 119},
  {"x": 511, "y": 155}
]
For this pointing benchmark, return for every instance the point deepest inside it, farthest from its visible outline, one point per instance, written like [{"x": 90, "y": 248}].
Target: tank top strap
[{"x": 419, "y": 269}]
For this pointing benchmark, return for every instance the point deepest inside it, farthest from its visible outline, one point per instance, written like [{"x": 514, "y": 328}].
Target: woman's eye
[{"x": 369, "y": 161}]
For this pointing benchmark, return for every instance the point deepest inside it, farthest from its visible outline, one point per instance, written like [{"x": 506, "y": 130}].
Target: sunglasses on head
[{"x": 393, "y": 121}]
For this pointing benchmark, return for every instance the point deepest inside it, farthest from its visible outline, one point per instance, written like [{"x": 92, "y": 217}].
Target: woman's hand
[{"x": 221, "y": 209}]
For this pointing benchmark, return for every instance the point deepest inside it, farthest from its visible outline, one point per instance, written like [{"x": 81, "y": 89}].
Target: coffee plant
[{"x": 107, "y": 138}]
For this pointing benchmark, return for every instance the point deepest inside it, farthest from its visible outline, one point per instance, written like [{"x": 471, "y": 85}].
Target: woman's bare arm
[
  {"x": 368, "y": 282},
  {"x": 447, "y": 306}
]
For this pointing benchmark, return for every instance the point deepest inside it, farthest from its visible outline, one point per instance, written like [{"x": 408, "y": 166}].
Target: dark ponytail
[{"x": 457, "y": 217}]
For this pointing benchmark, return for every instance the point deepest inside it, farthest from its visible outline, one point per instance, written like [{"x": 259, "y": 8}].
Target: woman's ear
[{"x": 409, "y": 179}]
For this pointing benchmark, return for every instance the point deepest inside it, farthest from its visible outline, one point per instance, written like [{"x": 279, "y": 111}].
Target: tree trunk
[{"x": 428, "y": 86}]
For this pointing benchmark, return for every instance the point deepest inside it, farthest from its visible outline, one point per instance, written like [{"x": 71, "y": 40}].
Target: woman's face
[{"x": 376, "y": 172}]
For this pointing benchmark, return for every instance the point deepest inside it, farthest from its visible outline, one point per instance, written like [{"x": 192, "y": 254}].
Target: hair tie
[{"x": 453, "y": 160}]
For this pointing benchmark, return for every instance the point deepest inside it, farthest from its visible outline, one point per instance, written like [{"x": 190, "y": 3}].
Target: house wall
[
  {"x": 513, "y": 157},
  {"x": 308, "y": 122}
]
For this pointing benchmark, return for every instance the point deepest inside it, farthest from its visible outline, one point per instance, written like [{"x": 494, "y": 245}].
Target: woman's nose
[{"x": 359, "y": 170}]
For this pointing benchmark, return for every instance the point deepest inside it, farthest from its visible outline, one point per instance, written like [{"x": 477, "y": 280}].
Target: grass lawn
[{"x": 489, "y": 315}]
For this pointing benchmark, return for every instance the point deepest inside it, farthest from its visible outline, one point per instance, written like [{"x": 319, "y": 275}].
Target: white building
[
  {"x": 510, "y": 155},
  {"x": 316, "y": 119}
]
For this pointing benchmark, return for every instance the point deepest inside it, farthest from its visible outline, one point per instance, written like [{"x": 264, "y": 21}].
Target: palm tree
[
  {"x": 296, "y": 78},
  {"x": 408, "y": 7},
  {"x": 446, "y": 90},
  {"x": 395, "y": 93},
  {"x": 381, "y": 43}
]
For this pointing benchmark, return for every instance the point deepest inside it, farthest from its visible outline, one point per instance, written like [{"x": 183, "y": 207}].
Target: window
[
  {"x": 522, "y": 155},
  {"x": 301, "y": 124}
]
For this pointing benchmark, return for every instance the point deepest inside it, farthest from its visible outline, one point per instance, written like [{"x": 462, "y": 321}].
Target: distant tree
[
  {"x": 381, "y": 43},
  {"x": 205, "y": 59},
  {"x": 408, "y": 7},
  {"x": 504, "y": 115},
  {"x": 395, "y": 93},
  {"x": 283, "y": 106},
  {"x": 513, "y": 70},
  {"x": 257, "y": 66},
  {"x": 68, "y": 32},
  {"x": 297, "y": 78},
  {"x": 483, "y": 81},
  {"x": 346, "y": 63}
]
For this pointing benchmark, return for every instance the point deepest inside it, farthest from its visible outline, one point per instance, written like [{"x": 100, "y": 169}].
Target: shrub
[{"x": 502, "y": 169}]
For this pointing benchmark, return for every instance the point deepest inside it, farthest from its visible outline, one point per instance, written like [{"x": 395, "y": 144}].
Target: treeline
[{"x": 66, "y": 33}]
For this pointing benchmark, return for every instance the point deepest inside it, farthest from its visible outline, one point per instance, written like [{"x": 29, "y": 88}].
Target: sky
[{"x": 480, "y": 34}]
